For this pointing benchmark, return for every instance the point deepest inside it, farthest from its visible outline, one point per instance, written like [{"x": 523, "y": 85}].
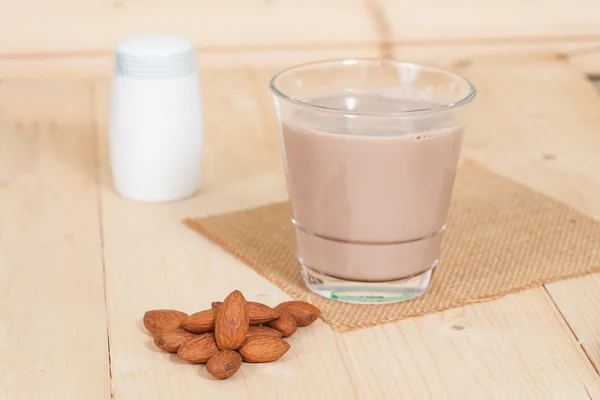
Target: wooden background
[
  {"x": 75, "y": 280},
  {"x": 78, "y": 36}
]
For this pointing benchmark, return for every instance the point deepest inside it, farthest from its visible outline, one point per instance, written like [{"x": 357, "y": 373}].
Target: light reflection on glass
[{"x": 350, "y": 103}]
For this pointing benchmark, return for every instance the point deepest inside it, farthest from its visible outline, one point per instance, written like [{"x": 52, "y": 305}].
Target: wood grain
[
  {"x": 493, "y": 350},
  {"x": 471, "y": 20},
  {"x": 210, "y": 25},
  {"x": 551, "y": 136},
  {"x": 52, "y": 313},
  {"x": 578, "y": 301},
  {"x": 537, "y": 122},
  {"x": 517, "y": 346},
  {"x": 64, "y": 27},
  {"x": 584, "y": 55},
  {"x": 536, "y": 119}
]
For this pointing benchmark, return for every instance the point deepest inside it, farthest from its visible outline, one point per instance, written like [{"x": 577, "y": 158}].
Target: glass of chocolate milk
[{"x": 371, "y": 149}]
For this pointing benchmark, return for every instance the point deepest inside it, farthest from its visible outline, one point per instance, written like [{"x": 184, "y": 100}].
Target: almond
[
  {"x": 157, "y": 321},
  {"x": 232, "y": 321},
  {"x": 224, "y": 364},
  {"x": 200, "y": 322},
  {"x": 171, "y": 340},
  {"x": 263, "y": 331},
  {"x": 199, "y": 350},
  {"x": 286, "y": 324},
  {"x": 259, "y": 313},
  {"x": 304, "y": 313},
  {"x": 262, "y": 349}
]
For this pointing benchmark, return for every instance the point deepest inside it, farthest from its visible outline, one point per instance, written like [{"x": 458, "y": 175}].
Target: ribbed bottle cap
[{"x": 155, "y": 56}]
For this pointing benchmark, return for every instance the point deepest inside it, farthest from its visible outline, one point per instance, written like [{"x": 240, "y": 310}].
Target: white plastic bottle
[{"x": 155, "y": 119}]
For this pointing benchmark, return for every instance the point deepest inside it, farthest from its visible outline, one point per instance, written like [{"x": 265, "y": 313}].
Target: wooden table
[{"x": 79, "y": 265}]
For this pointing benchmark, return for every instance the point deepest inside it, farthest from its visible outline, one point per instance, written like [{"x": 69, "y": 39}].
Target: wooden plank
[
  {"x": 479, "y": 20},
  {"x": 208, "y": 24},
  {"x": 52, "y": 308},
  {"x": 578, "y": 300},
  {"x": 516, "y": 346},
  {"x": 101, "y": 66},
  {"x": 582, "y": 54},
  {"x": 283, "y": 25},
  {"x": 559, "y": 152},
  {"x": 552, "y": 136},
  {"x": 542, "y": 132}
]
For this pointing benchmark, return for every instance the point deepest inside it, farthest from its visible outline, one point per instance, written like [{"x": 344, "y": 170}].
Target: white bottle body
[{"x": 156, "y": 137}]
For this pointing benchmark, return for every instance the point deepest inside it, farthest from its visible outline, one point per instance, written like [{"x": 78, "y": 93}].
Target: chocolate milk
[{"x": 370, "y": 195}]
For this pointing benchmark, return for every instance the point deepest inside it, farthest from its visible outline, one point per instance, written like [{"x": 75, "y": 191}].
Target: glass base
[{"x": 367, "y": 292}]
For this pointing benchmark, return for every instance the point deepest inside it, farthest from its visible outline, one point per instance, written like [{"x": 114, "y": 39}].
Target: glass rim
[{"x": 357, "y": 60}]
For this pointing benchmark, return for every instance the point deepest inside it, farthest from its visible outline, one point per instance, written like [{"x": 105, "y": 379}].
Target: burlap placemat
[{"x": 501, "y": 237}]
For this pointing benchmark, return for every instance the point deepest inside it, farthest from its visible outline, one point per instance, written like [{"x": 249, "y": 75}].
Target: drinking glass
[{"x": 371, "y": 148}]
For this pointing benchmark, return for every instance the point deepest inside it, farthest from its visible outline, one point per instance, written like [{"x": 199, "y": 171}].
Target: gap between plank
[
  {"x": 96, "y": 147},
  {"x": 228, "y": 49},
  {"x": 379, "y": 18},
  {"x": 564, "y": 318}
]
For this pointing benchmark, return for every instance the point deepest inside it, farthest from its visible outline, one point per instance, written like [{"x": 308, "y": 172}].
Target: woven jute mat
[{"x": 501, "y": 238}]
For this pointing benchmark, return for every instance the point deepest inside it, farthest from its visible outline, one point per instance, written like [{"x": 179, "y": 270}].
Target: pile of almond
[{"x": 230, "y": 332}]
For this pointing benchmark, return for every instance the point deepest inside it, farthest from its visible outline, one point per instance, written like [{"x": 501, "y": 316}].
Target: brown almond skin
[
  {"x": 259, "y": 313},
  {"x": 286, "y": 324},
  {"x": 262, "y": 349},
  {"x": 224, "y": 364},
  {"x": 157, "y": 321},
  {"x": 200, "y": 322},
  {"x": 232, "y": 322},
  {"x": 199, "y": 350},
  {"x": 171, "y": 341},
  {"x": 263, "y": 331},
  {"x": 304, "y": 313}
]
